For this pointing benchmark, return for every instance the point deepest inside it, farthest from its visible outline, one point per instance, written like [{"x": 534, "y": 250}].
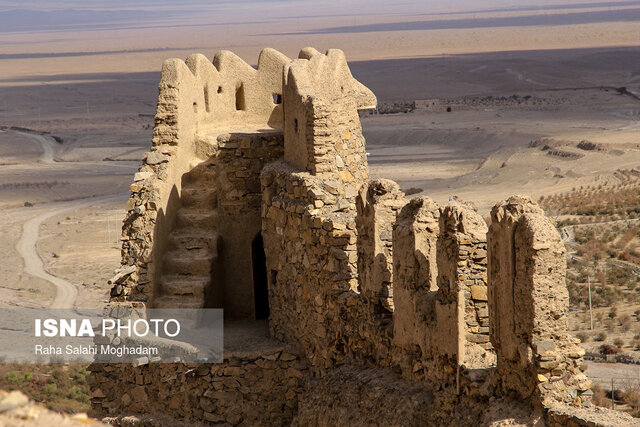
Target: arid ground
[{"x": 542, "y": 100}]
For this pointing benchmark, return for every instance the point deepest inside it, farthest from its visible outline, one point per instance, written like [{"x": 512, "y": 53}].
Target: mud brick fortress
[{"x": 345, "y": 302}]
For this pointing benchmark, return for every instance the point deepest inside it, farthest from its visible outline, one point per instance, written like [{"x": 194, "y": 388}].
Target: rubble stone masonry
[{"x": 380, "y": 309}]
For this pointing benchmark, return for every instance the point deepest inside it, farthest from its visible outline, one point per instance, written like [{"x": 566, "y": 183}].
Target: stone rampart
[{"x": 377, "y": 299}]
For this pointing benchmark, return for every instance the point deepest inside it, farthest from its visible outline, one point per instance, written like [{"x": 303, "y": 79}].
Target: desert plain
[{"x": 478, "y": 103}]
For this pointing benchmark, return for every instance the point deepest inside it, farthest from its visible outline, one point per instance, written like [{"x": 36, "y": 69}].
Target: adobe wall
[
  {"x": 537, "y": 356},
  {"x": 377, "y": 206},
  {"x": 228, "y": 92},
  {"x": 389, "y": 307},
  {"x": 415, "y": 235},
  {"x": 199, "y": 128},
  {"x": 152, "y": 206}
]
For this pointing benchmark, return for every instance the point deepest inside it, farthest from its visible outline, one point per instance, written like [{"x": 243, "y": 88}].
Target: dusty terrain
[{"x": 77, "y": 105}]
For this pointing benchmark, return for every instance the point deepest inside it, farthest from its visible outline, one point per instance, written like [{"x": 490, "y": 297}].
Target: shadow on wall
[
  {"x": 190, "y": 269},
  {"x": 260, "y": 286},
  {"x": 187, "y": 270}
]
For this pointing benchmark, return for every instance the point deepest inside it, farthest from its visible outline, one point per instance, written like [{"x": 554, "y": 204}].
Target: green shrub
[{"x": 601, "y": 336}]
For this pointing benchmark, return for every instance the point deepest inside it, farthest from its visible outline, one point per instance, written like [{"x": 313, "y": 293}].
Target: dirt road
[
  {"x": 66, "y": 292},
  {"x": 624, "y": 376},
  {"x": 46, "y": 143}
]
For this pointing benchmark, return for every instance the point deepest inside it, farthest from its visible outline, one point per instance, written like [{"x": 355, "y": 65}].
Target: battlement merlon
[
  {"x": 321, "y": 126},
  {"x": 228, "y": 92}
]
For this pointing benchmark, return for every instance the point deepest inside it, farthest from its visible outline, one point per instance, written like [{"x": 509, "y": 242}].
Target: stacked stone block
[
  {"x": 377, "y": 204},
  {"x": 529, "y": 303},
  {"x": 311, "y": 260},
  {"x": 322, "y": 129},
  {"x": 252, "y": 389},
  {"x": 462, "y": 282}
]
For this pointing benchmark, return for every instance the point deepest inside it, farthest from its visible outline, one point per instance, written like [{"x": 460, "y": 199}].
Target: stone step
[
  {"x": 196, "y": 219},
  {"x": 189, "y": 286},
  {"x": 204, "y": 174},
  {"x": 199, "y": 196},
  {"x": 195, "y": 242},
  {"x": 181, "y": 301},
  {"x": 185, "y": 263}
]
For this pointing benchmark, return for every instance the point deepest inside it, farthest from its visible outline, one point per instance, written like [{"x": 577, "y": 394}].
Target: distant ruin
[{"x": 255, "y": 198}]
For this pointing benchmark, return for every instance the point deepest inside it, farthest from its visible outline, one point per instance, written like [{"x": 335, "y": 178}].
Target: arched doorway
[{"x": 260, "y": 290}]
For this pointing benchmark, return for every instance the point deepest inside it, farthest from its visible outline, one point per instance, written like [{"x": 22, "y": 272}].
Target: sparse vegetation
[
  {"x": 618, "y": 200},
  {"x": 61, "y": 388}
]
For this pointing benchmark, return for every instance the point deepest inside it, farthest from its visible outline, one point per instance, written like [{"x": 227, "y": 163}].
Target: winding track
[
  {"x": 66, "y": 292},
  {"x": 47, "y": 146}
]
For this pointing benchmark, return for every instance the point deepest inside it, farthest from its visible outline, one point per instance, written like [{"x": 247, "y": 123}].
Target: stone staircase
[{"x": 194, "y": 246}]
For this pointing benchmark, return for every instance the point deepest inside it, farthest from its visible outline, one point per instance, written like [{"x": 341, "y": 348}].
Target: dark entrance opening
[
  {"x": 260, "y": 289},
  {"x": 448, "y": 109}
]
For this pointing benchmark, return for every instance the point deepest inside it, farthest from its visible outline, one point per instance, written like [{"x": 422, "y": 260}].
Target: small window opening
[
  {"x": 206, "y": 98},
  {"x": 260, "y": 283},
  {"x": 219, "y": 89},
  {"x": 240, "y": 103},
  {"x": 295, "y": 125},
  {"x": 277, "y": 98},
  {"x": 195, "y": 107}
]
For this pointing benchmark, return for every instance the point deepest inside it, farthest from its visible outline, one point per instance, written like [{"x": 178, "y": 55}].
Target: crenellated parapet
[
  {"x": 228, "y": 92},
  {"x": 255, "y": 198}
]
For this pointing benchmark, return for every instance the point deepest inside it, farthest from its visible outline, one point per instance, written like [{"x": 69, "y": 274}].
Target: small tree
[{"x": 606, "y": 349}]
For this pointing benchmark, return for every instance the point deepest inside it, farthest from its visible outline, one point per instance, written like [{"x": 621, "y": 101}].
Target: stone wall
[
  {"x": 377, "y": 206},
  {"x": 251, "y": 389},
  {"x": 462, "y": 282},
  {"x": 238, "y": 159},
  {"x": 311, "y": 259},
  {"x": 202, "y": 128},
  {"x": 322, "y": 130},
  {"x": 415, "y": 235},
  {"x": 529, "y": 305},
  {"x": 378, "y": 299}
]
